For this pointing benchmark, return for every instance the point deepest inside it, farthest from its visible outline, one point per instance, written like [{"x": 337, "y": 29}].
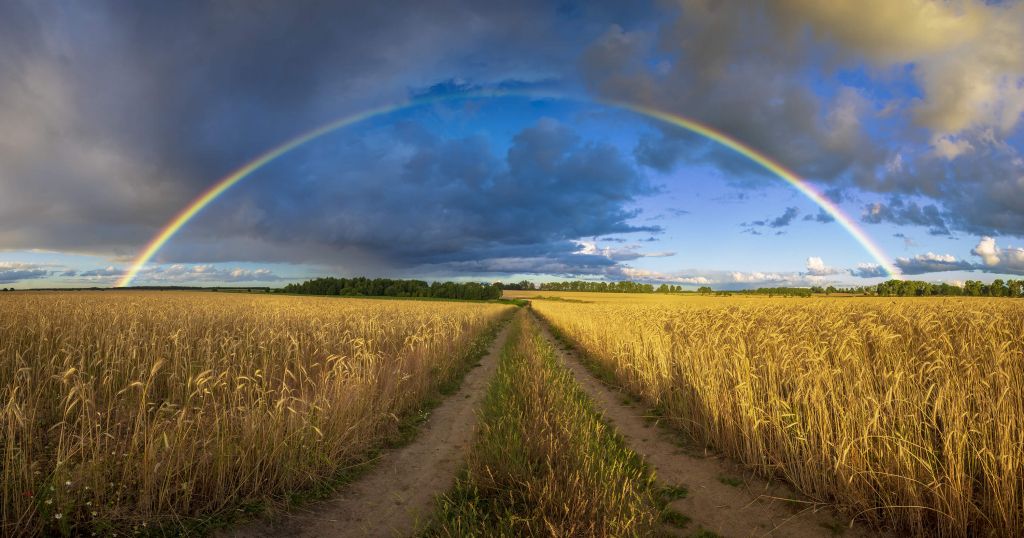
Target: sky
[{"x": 515, "y": 159}]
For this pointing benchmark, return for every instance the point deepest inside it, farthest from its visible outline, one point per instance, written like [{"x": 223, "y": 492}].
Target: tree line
[
  {"x": 908, "y": 288},
  {"x": 971, "y": 288},
  {"x": 387, "y": 287},
  {"x": 624, "y": 286}
]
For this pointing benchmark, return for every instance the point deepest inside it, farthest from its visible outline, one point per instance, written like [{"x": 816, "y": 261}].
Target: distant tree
[
  {"x": 705, "y": 290},
  {"x": 1013, "y": 288}
]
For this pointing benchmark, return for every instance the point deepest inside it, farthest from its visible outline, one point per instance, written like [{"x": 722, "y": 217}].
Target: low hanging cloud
[
  {"x": 993, "y": 259},
  {"x": 868, "y": 270},
  {"x": 999, "y": 260},
  {"x": 11, "y": 272},
  {"x": 932, "y": 263},
  {"x": 618, "y": 254},
  {"x": 177, "y": 274}
]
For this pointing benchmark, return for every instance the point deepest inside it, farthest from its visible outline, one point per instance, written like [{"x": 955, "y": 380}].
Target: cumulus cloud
[
  {"x": 900, "y": 212},
  {"x": 625, "y": 253},
  {"x": 868, "y": 270},
  {"x": 993, "y": 259},
  {"x": 11, "y": 272},
  {"x": 954, "y": 68},
  {"x": 967, "y": 56},
  {"x": 816, "y": 267},
  {"x": 931, "y": 263},
  {"x": 109, "y": 130},
  {"x": 431, "y": 200},
  {"x": 999, "y": 260},
  {"x": 177, "y": 274}
]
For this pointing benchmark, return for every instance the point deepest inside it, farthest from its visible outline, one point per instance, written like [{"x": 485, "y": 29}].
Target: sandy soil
[
  {"x": 723, "y": 497},
  {"x": 397, "y": 496}
]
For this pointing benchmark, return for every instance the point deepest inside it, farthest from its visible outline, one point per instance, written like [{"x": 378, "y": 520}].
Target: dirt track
[
  {"x": 722, "y": 498},
  {"x": 397, "y": 495}
]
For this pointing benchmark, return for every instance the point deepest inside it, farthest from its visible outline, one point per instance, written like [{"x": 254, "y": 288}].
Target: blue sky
[{"x": 115, "y": 117}]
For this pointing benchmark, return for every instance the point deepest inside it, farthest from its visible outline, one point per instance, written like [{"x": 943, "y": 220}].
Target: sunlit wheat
[
  {"x": 124, "y": 410},
  {"x": 907, "y": 413}
]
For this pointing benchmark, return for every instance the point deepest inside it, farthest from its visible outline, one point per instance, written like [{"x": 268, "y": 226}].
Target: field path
[
  {"x": 397, "y": 495},
  {"x": 722, "y": 497}
]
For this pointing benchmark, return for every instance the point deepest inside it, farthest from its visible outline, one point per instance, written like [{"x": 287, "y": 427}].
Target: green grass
[
  {"x": 544, "y": 462},
  {"x": 671, "y": 493},
  {"x": 730, "y": 481},
  {"x": 675, "y": 518}
]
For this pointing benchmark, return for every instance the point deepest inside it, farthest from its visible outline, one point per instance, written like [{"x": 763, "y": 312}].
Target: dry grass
[
  {"x": 129, "y": 411},
  {"x": 545, "y": 463},
  {"x": 906, "y": 413}
]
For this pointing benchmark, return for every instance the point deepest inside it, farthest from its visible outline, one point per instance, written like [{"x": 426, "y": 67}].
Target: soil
[
  {"x": 722, "y": 496},
  {"x": 397, "y": 496}
]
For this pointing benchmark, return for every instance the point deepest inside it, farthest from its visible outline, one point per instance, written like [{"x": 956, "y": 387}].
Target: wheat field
[
  {"x": 907, "y": 413},
  {"x": 124, "y": 411}
]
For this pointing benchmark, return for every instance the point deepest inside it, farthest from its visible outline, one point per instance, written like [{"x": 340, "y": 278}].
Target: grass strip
[{"x": 545, "y": 463}]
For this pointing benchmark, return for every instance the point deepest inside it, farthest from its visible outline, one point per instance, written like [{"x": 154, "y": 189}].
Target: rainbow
[{"x": 217, "y": 189}]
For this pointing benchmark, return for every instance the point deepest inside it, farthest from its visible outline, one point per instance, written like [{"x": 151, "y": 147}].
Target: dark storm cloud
[
  {"x": 114, "y": 115},
  {"x": 900, "y": 212},
  {"x": 946, "y": 130},
  {"x": 434, "y": 202},
  {"x": 704, "y": 69}
]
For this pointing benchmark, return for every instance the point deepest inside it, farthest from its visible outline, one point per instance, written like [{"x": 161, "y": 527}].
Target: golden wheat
[
  {"x": 125, "y": 410},
  {"x": 906, "y": 413}
]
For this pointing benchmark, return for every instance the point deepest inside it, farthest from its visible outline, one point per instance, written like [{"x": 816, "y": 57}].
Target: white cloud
[
  {"x": 930, "y": 262},
  {"x": 967, "y": 56},
  {"x": 181, "y": 274},
  {"x": 11, "y": 272},
  {"x": 625, "y": 253},
  {"x": 949, "y": 147},
  {"x": 816, "y": 267},
  {"x": 999, "y": 260},
  {"x": 868, "y": 270}
]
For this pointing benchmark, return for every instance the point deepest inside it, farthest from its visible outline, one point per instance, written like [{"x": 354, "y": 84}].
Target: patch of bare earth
[
  {"x": 396, "y": 497},
  {"x": 722, "y": 497}
]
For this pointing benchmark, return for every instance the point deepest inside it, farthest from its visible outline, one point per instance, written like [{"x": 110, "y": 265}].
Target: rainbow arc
[{"x": 221, "y": 186}]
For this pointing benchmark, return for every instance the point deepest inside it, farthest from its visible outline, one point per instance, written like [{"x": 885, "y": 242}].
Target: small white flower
[
  {"x": 88, "y": 503},
  {"x": 94, "y": 513},
  {"x": 58, "y": 515},
  {"x": 68, "y": 483},
  {"x": 49, "y": 501}
]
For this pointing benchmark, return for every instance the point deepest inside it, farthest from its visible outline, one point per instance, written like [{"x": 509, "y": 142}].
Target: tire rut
[
  {"x": 722, "y": 496},
  {"x": 397, "y": 496}
]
